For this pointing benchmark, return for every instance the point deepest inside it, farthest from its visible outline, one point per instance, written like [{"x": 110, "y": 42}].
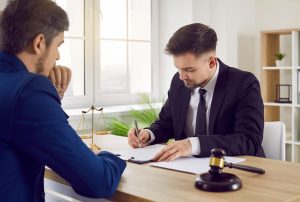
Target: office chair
[{"x": 274, "y": 140}]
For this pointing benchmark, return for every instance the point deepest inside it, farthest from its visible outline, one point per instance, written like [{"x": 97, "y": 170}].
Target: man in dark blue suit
[
  {"x": 34, "y": 131},
  {"x": 210, "y": 105}
]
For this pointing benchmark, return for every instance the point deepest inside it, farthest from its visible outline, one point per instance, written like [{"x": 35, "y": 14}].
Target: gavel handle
[{"x": 245, "y": 168}]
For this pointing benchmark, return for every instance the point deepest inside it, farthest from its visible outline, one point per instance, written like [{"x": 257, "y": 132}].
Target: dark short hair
[
  {"x": 22, "y": 20},
  {"x": 196, "y": 38}
]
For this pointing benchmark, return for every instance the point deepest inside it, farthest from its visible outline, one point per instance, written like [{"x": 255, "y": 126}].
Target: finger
[
  {"x": 64, "y": 77},
  {"x": 167, "y": 154},
  {"x": 61, "y": 91},
  {"x": 133, "y": 144},
  {"x": 173, "y": 156},
  {"x": 131, "y": 134},
  {"x": 130, "y": 142},
  {"x": 52, "y": 77},
  {"x": 161, "y": 153},
  {"x": 57, "y": 73},
  {"x": 144, "y": 136},
  {"x": 132, "y": 139},
  {"x": 158, "y": 155},
  {"x": 69, "y": 75}
]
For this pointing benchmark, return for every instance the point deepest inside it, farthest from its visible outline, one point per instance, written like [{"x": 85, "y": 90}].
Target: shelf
[
  {"x": 285, "y": 41},
  {"x": 288, "y": 142},
  {"x": 275, "y": 104},
  {"x": 277, "y": 68},
  {"x": 288, "y": 136}
]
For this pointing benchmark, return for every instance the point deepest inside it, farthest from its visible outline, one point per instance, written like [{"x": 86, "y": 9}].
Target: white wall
[
  {"x": 173, "y": 14},
  {"x": 2, "y": 4},
  {"x": 237, "y": 22},
  {"x": 201, "y": 11},
  {"x": 275, "y": 14},
  {"x": 234, "y": 22}
]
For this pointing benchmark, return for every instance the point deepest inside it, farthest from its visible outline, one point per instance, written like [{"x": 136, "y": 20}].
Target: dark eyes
[{"x": 190, "y": 70}]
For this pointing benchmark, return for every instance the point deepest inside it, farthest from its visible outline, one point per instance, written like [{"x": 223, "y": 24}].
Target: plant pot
[{"x": 279, "y": 63}]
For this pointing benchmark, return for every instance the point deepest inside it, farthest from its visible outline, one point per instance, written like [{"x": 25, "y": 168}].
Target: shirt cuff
[
  {"x": 195, "y": 145},
  {"x": 152, "y": 137}
]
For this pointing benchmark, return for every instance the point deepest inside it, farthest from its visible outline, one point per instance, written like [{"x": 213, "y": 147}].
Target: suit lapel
[
  {"x": 183, "y": 99},
  {"x": 218, "y": 96}
]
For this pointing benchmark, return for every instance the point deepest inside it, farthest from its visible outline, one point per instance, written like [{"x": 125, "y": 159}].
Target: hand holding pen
[{"x": 140, "y": 140}]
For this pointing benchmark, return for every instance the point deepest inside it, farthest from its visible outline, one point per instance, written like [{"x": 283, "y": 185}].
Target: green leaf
[
  {"x": 118, "y": 128},
  {"x": 144, "y": 117}
]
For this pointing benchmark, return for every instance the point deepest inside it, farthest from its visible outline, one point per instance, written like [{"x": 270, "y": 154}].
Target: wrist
[{"x": 188, "y": 146}]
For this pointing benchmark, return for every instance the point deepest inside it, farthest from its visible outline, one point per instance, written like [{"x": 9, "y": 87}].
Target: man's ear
[
  {"x": 212, "y": 61},
  {"x": 39, "y": 44}
]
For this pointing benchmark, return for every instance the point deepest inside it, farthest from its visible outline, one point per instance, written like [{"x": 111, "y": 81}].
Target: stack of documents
[
  {"x": 184, "y": 164},
  {"x": 192, "y": 164},
  {"x": 143, "y": 155}
]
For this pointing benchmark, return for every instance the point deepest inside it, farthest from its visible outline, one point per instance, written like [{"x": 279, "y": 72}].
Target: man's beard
[
  {"x": 193, "y": 85},
  {"x": 190, "y": 85}
]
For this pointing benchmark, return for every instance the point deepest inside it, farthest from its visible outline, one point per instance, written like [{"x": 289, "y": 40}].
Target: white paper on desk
[
  {"x": 193, "y": 164},
  {"x": 141, "y": 154}
]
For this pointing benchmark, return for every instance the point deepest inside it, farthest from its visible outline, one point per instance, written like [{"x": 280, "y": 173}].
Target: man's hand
[
  {"x": 133, "y": 141},
  {"x": 60, "y": 76},
  {"x": 174, "y": 150}
]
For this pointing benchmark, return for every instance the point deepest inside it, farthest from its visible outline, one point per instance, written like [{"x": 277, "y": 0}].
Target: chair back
[{"x": 274, "y": 140}]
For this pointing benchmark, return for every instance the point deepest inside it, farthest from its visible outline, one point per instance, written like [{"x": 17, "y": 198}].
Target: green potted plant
[
  {"x": 144, "y": 117},
  {"x": 279, "y": 59}
]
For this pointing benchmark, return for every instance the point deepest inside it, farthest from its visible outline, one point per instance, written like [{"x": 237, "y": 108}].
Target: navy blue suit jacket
[
  {"x": 34, "y": 132},
  {"x": 236, "y": 117}
]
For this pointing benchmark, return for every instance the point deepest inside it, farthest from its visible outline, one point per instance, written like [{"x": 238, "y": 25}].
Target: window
[{"x": 109, "y": 47}]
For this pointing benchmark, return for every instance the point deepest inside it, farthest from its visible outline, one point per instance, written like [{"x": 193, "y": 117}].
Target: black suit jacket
[{"x": 236, "y": 116}]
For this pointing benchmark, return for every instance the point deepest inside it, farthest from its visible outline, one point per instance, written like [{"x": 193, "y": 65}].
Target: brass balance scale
[{"x": 82, "y": 126}]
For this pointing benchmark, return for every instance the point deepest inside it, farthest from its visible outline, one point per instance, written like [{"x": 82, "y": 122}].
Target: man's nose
[{"x": 182, "y": 75}]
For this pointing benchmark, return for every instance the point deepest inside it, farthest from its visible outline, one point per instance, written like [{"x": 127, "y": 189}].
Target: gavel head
[{"x": 217, "y": 161}]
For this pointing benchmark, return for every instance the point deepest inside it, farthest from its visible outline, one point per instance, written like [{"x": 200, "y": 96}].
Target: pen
[{"x": 137, "y": 132}]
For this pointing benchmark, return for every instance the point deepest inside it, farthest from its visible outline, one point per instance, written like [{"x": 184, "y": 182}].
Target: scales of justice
[{"x": 83, "y": 126}]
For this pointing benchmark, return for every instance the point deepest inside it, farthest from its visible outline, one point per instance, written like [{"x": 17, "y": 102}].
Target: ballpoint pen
[{"x": 137, "y": 132}]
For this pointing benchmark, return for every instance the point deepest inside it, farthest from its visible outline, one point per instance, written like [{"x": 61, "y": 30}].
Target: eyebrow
[{"x": 185, "y": 68}]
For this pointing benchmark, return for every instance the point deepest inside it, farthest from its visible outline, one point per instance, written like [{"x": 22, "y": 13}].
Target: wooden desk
[{"x": 145, "y": 183}]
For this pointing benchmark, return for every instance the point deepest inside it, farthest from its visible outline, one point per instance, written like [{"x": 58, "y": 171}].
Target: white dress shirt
[{"x": 191, "y": 116}]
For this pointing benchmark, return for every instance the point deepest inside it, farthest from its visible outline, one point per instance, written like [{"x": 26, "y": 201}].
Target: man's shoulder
[
  {"x": 29, "y": 82},
  {"x": 176, "y": 82},
  {"x": 39, "y": 81},
  {"x": 238, "y": 75},
  {"x": 33, "y": 81}
]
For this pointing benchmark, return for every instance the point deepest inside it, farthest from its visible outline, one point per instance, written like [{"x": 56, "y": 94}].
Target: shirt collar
[{"x": 210, "y": 86}]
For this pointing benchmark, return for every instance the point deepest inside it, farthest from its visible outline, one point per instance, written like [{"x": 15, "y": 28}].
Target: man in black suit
[{"x": 210, "y": 105}]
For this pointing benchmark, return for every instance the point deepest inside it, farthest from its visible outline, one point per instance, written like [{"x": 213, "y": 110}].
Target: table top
[{"x": 281, "y": 182}]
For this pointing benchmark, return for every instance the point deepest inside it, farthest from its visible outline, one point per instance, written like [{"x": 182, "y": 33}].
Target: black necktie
[{"x": 201, "y": 115}]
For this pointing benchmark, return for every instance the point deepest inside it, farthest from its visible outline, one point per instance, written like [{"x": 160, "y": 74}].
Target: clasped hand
[{"x": 60, "y": 76}]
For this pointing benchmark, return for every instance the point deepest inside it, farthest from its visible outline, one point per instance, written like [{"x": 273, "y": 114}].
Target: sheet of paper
[
  {"x": 193, "y": 164},
  {"x": 142, "y": 154}
]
